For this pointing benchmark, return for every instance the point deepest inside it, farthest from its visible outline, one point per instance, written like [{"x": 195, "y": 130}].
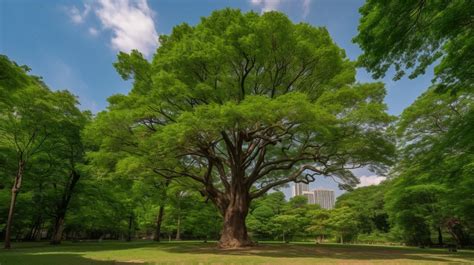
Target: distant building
[
  {"x": 299, "y": 188},
  {"x": 310, "y": 196},
  {"x": 324, "y": 197}
]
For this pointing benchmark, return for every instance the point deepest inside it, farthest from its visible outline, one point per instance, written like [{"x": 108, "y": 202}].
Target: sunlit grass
[{"x": 145, "y": 252}]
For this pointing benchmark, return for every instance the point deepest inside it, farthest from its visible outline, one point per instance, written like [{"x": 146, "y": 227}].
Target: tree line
[{"x": 228, "y": 110}]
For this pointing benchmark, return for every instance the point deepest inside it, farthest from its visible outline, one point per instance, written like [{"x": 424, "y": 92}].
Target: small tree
[
  {"x": 319, "y": 226},
  {"x": 343, "y": 223}
]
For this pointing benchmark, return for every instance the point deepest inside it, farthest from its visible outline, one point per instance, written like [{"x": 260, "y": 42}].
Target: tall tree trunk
[
  {"x": 159, "y": 221},
  {"x": 130, "y": 222},
  {"x": 58, "y": 228},
  {"x": 178, "y": 228},
  {"x": 234, "y": 231},
  {"x": 15, "y": 190}
]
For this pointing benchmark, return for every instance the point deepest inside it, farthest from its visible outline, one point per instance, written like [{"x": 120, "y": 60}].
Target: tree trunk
[
  {"x": 57, "y": 235},
  {"x": 130, "y": 222},
  {"x": 62, "y": 207},
  {"x": 178, "y": 228},
  {"x": 234, "y": 231},
  {"x": 440, "y": 236},
  {"x": 159, "y": 220},
  {"x": 15, "y": 189}
]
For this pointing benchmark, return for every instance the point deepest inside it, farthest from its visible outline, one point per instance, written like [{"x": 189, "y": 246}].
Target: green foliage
[
  {"x": 416, "y": 34},
  {"x": 343, "y": 222},
  {"x": 435, "y": 168},
  {"x": 368, "y": 203}
]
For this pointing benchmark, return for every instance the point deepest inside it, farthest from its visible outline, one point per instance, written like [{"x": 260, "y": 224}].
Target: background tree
[
  {"x": 436, "y": 158},
  {"x": 242, "y": 104},
  {"x": 69, "y": 150},
  {"x": 30, "y": 115},
  {"x": 368, "y": 204},
  {"x": 319, "y": 226},
  {"x": 261, "y": 211},
  {"x": 414, "y": 35},
  {"x": 343, "y": 223}
]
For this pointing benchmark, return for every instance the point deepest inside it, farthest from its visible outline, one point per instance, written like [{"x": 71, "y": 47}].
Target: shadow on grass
[
  {"x": 22, "y": 258},
  {"x": 73, "y": 253},
  {"x": 327, "y": 251}
]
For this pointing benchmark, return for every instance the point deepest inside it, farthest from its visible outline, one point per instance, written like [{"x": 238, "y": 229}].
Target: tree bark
[
  {"x": 57, "y": 235},
  {"x": 234, "y": 232},
  {"x": 15, "y": 190},
  {"x": 159, "y": 221},
  {"x": 178, "y": 228},
  {"x": 63, "y": 206}
]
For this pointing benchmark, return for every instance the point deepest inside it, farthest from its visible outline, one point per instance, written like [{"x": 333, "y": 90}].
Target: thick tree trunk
[
  {"x": 234, "y": 231},
  {"x": 159, "y": 221},
  {"x": 57, "y": 235},
  {"x": 15, "y": 189}
]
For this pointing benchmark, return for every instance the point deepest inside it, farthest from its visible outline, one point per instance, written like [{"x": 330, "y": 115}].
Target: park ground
[{"x": 170, "y": 253}]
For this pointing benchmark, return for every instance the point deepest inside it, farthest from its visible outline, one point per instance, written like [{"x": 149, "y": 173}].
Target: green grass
[{"x": 145, "y": 252}]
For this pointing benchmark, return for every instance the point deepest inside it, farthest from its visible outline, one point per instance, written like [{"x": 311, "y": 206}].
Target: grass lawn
[{"x": 146, "y": 252}]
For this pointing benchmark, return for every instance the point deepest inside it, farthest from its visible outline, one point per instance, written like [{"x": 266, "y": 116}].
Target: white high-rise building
[
  {"x": 299, "y": 188},
  {"x": 325, "y": 198},
  {"x": 310, "y": 196}
]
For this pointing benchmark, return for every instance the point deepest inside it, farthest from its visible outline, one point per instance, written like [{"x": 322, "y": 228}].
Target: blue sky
[{"x": 72, "y": 44}]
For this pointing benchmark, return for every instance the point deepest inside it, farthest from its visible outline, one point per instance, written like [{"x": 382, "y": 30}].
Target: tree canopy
[
  {"x": 241, "y": 104},
  {"x": 411, "y": 35}
]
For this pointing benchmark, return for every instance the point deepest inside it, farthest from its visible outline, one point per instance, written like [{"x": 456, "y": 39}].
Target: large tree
[
  {"x": 411, "y": 35},
  {"x": 244, "y": 103}
]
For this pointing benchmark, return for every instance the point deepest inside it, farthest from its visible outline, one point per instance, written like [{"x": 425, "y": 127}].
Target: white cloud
[
  {"x": 77, "y": 16},
  {"x": 131, "y": 23},
  {"x": 273, "y": 5},
  {"x": 93, "y": 31},
  {"x": 267, "y": 5},
  {"x": 370, "y": 180}
]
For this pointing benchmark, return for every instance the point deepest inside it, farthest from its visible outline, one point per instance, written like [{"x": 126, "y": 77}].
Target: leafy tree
[
  {"x": 30, "y": 116},
  {"x": 343, "y": 223},
  {"x": 319, "y": 225},
  {"x": 368, "y": 203},
  {"x": 242, "y": 104},
  {"x": 69, "y": 150},
  {"x": 416, "y": 34},
  {"x": 287, "y": 225},
  {"x": 415, "y": 210},
  {"x": 436, "y": 160},
  {"x": 261, "y": 211}
]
